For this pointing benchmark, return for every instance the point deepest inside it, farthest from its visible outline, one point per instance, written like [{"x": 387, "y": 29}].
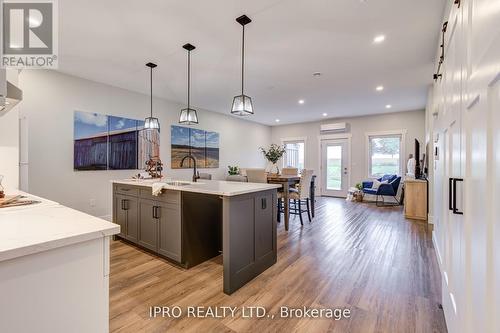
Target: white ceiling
[{"x": 110, "y": 41}]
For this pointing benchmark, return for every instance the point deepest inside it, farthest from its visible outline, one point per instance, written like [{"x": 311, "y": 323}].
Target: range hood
[{"x": 10, "y": 95}]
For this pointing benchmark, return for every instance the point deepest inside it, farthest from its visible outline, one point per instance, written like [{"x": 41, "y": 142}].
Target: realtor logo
[{"x": 29, "y": 34}]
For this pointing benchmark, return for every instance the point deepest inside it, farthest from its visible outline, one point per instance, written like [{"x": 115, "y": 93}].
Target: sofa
[{"x": 388, "y": 189}]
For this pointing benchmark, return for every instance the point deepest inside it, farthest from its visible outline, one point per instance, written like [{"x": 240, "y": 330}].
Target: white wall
[
  {"x": 50, "y": 98},
  {"x": 412, "y": 121}
]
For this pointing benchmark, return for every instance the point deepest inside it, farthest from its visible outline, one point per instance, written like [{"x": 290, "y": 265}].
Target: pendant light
[
  {"x": 151, "y": 122},
  {"x": 188, "y": 116},
  {"x": 242, "y": 104}
]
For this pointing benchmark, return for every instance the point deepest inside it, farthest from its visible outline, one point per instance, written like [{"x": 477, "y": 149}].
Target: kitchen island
[
  {"x": 191, "y": 222},
  {"x": 54, "y": 269}
]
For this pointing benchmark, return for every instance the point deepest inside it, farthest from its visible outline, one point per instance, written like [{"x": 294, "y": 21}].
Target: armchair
[{"x": 389, "y": 189}]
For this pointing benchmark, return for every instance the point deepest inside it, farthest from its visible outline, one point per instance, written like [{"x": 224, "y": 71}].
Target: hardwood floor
[{"x": 357, "y": 256}]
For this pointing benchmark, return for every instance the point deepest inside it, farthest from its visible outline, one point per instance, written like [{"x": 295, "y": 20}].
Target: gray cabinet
[
  {"x": 148, "y": 225},
  {"x": 151, "y": 222},
  {"x": 169, "y": 230},
  {"x": 125, "y": 214}
]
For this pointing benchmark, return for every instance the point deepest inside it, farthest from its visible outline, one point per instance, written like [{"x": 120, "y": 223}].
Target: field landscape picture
[
  {"x": 212, "y": 150},
  {"x": 202, "y": 145}
]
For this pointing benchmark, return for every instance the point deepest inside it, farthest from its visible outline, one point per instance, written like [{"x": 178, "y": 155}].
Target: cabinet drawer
[
  {"x": 169, "y": 196},
  {"x": 126, "y": 189}
]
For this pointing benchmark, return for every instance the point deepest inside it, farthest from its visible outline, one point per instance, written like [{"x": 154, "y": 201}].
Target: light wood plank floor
[{"x": 368, "y": 259}]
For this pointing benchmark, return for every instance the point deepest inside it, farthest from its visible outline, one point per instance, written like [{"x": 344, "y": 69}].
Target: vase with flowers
[{"x": 273, "y": 155}]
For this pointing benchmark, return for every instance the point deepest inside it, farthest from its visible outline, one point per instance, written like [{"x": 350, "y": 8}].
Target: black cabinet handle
[
  {"x": 263, "y": 203},
  {"x": 124, "y": 204},
  {"x": 450, "y": 194},
  {"x": 154, "y": 212},
  {"x": 455, "y": 210}
]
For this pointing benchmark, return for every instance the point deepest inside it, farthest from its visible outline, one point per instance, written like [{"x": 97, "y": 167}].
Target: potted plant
[
  {"x": 273, "y": 155},
  {"x": 359, "y": 193},
  {"x": 233, "y": 170}
]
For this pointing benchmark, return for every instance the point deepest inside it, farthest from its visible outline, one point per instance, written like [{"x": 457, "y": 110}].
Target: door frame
[{"x": 340, "y": 136}]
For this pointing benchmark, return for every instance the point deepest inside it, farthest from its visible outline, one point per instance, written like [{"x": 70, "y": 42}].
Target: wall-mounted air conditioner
[{"x": 334, "y": 127}]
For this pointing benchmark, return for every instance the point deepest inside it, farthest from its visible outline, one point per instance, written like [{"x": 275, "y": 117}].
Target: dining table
[{"x": 290, "y": 180}]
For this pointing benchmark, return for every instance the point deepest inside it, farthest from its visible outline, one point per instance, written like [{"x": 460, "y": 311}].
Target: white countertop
[
  {"x": 40, "y": 227},
  {"x": 216, "y": 187}
]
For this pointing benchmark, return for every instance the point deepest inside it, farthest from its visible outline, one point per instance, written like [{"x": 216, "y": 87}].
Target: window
[
  {"x": 384, "y": 155},
  {"x": 294, "y": 154}
]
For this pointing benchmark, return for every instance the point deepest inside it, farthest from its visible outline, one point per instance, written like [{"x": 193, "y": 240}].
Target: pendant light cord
[
  {"x": 189, "y": 77},
  {"x": 243, "y": 60},
  {"x": 151, "y": 86}
]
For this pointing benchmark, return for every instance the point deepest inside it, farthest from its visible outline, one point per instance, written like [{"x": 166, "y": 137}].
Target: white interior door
[{"x": 335, "y": 167}]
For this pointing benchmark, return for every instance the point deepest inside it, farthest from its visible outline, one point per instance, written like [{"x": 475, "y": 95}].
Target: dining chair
[
  {"x": 204, "y": 175},
  {"x": 290, "y": 171},
  {"x": 236, "y": 178},
  {"x": 256, "y": 175},
  {"x": 300, "y": 197}
]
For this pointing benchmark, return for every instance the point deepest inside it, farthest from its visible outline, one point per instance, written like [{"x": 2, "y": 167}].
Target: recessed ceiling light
[
  {"x": 301, "y": 101},
  {"x": 388, "y": 106},
  {"x": 277, "y": 120},
  {"x": 325, "y": 114},
  {"x": 379, "y": 39},
  {"x": 379, "y": 88},
  {"x": 317, "y": 74}
]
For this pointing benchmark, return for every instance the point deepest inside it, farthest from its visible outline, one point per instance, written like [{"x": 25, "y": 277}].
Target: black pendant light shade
[
  {"x": 242, "y": 104},
  {"x": 151, "y": 122},
  {"x": 188, "y": 116}
]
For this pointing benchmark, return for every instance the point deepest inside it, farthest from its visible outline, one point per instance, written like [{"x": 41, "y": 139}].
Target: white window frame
[
  {"x": 294, "y": 140},
  {"x": 402, "y": 153}
]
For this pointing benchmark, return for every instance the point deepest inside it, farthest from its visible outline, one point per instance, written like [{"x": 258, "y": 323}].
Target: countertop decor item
[
  {"x": 242, "y": 104},
  {"x": 273, "y": 155},
  {"x": 151, "y": 122},
  {"x": 154, "y": 167},
  {"x": 2, "y": 193},
  {"x": 233, "y": 170},
  {"x": 188, "y": 116}
]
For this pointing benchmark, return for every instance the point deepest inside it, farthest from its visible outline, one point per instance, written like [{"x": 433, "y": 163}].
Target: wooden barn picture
[{"x": 104, "y": 142}]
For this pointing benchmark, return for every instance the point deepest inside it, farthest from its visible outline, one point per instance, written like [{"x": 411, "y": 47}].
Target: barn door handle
[{"x": 455, "y": 210}]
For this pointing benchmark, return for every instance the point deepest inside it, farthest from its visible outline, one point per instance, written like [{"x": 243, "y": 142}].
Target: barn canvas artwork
[
  {"x": 203, "y": 145},
  {"x": 103, "y": 142}
]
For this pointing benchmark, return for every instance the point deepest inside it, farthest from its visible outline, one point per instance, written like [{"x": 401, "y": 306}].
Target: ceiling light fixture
[
  {"x": 151, "y": 122},
  {"x": 388, "y": 106},
  {"x": 379, "y": 88},
  {"x": 242, "y": 104},
  {"x": 325, "y": 114},
  {"x": 301, "y": 101},
  {"x": 379, "y": 39},
  {"x": 277, "y": 120},
  {"x": 317, "y": 74},
  {"x": 188, "y": 116}
]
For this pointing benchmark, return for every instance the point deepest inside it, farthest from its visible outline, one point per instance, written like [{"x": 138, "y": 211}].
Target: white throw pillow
[{"x": 376, "y": 183}]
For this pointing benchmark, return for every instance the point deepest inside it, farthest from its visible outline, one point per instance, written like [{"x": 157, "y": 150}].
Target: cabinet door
[
  {"x": 148, "y": 225},
  {"x": 119, "y": 213},
  {"x": 169, "y": 221},
  {"x": 131, "y": 206}
]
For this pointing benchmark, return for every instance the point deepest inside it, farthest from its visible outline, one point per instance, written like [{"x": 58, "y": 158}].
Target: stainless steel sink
[{"x": 178, "y": 183}]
